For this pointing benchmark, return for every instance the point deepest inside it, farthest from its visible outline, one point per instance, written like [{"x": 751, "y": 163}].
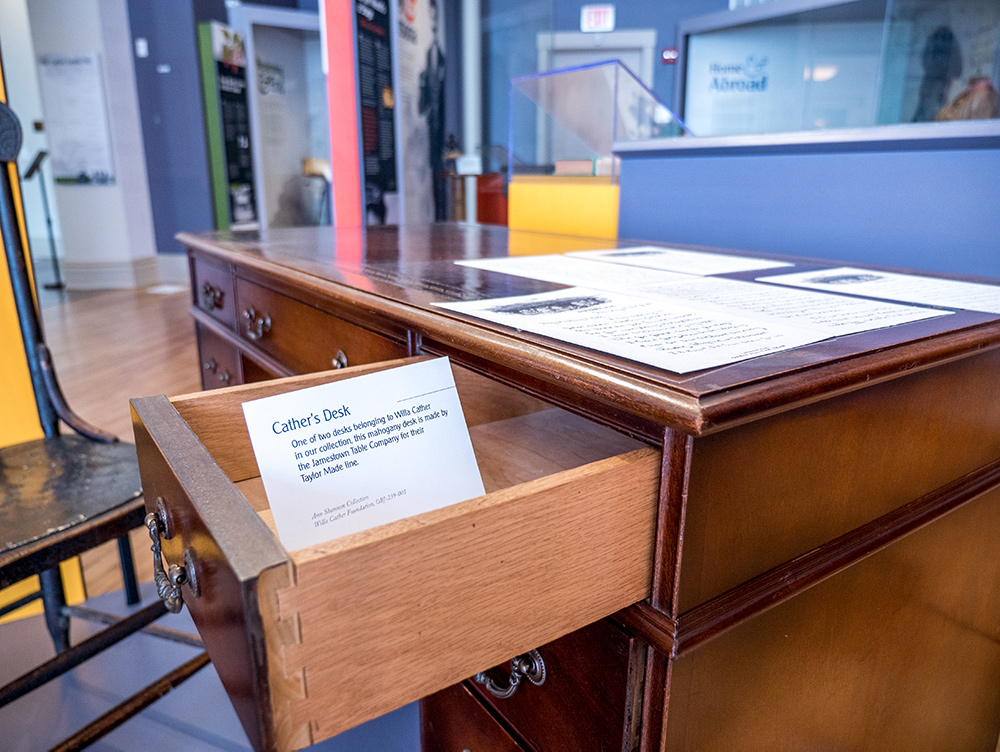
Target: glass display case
[
  {"x": 811, "y": 65},
  {"x": 564, "y": 122}
]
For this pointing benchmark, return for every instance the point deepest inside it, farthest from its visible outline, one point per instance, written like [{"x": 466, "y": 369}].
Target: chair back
[{"x": 16, "y": 255}]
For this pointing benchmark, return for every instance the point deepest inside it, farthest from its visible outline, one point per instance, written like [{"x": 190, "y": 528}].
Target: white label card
[
  {"x": 347, "y": 456},
  {"x": 908, "y": 288},
  {"x": 679, "y": 260}
]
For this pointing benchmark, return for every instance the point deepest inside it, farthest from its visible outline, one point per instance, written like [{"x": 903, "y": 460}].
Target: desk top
[{"x": 397, "y": 273}]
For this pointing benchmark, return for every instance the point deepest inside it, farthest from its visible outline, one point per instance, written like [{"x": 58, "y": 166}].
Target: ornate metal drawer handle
[
  {"x": 168, "y": 583},
  {"x": 224, "y": 377},
  {"x": 528, "y": 666},
  {"x": 209, "y": 365},
  {"x": 257, "y": 326},
  {"x": 211, "y": 296},
  {"x": 341, "y": 360}
]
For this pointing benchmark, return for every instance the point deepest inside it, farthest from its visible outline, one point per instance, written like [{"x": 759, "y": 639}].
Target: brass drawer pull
[
  {"x": 257, "y": 326},
  {"x": 211, "y": 296},
  {"x": 224, "y": 377},
  {"x": 168, "y": 583},
  {"x": 209, "y": 365},
  {"x": 528, "y": 666},
  {"x": 341, "y": 360}
]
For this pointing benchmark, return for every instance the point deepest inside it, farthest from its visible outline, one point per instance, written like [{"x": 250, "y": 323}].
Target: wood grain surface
[{"x": 392, "y": 614}]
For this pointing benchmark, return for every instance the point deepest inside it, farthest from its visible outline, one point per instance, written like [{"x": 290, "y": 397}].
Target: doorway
[
  {"x": 634, "y": 47},
  {"x": 289, "y": 133},
  {"x": 560, "y": 50}
]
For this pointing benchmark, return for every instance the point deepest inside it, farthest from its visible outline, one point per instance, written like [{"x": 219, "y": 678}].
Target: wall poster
[
  {"x": 422, "y": 108},
  {"x": 76, "y": 118},
  {"x": 229, "y": 53},
  {"x": 377, "y": 101}
]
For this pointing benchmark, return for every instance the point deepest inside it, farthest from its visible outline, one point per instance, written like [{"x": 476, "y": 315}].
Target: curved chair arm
[{"x": 62, "y": 408}]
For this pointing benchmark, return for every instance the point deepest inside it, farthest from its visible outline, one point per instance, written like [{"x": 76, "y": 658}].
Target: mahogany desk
[{"x": 792, "y": 552}]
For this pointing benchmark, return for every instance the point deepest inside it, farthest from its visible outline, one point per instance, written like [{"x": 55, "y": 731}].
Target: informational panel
[
  {"x": 377, "y": 100},
  {"x": 422, "y": 108},
  {"x": 772, "y": 79},
  {"x": 76, "y": 118},
  {"x": 229, "y": 53}
]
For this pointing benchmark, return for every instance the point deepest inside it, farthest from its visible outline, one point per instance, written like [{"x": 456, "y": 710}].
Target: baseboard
[{"x": 104, "y": 275}]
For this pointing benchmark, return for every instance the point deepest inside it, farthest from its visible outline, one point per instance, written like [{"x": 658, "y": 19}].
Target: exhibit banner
[
  {"x": 76, "y": 118},
  {"x": 421, "y": 108},
  {"x": 230, "y": 75},
  {"x": 377, "y": 102}
]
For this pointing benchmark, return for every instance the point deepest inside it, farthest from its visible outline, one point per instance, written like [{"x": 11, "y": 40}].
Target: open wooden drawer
[{"x": 313, "y": 642}]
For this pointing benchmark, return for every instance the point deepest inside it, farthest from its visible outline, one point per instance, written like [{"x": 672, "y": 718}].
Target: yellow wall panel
[
  {"x": 72, "y": 578},
  {"x": 18, "y": 412},
  {"x": 567, "y": 207}
]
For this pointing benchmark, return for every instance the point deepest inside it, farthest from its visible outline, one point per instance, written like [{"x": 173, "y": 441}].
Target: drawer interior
[
  {"x": 363, "y": 624},
  {"x": 512, "y": 451}
]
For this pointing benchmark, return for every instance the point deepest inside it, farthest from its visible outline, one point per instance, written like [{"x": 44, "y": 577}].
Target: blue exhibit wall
[
  {"x": 173, "y": 122},
  {"x": 915, "y": 206},
  {"x": 170, "y": 106}
]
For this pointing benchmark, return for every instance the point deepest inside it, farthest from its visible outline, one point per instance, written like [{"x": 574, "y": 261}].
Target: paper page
[
  {"x": 346, "y": 456},
  {"x": 659, "y": 333},
  {"x": 576, "y": 272},
  {"x": 836, "y": 315},
  {"x": 908, "y": 288},
  {"x": 677, "y": 260}
]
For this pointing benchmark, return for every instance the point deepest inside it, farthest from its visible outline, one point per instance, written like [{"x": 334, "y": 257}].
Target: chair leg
[
  {"x": 128, "y": 570},
  {"x": 53, "y": 599}
]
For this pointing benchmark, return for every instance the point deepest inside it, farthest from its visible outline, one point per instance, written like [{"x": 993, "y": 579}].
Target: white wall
[
  {"x": 24, "y": 98},
  {"x": 107, "y": 230}
]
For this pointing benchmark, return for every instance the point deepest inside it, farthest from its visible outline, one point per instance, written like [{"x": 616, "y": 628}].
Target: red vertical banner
[{"x": 342, "y": 94}]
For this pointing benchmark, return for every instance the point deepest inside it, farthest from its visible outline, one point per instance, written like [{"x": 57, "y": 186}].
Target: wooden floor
[{"x": 109, "y": 346}]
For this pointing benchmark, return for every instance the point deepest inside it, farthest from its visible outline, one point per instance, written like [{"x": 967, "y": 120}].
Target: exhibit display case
[
  {"x": 564, "y": 122},
  {"x": 791, "y": 65}
]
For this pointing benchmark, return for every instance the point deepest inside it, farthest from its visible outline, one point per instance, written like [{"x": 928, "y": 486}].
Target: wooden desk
[{"x": 791, "y": 552}]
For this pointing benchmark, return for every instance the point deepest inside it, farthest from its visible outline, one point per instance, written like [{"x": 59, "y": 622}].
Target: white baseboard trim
[{"x": 141, "y": 272}]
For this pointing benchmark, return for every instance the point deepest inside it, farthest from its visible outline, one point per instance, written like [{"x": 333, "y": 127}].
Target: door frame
[
  {"x": 643, "y": 40},
  {"x": 243, "y": 18}
]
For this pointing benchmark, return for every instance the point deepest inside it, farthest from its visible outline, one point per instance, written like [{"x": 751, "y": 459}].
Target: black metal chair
[{"x": 64, "y": 494}]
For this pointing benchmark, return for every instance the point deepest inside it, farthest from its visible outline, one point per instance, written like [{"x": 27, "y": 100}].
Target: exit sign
[{"x": 597, "y": 18}]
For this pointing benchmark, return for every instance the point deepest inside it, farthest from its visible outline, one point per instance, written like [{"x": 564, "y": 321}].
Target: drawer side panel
[{"x": 398, "y": 612}]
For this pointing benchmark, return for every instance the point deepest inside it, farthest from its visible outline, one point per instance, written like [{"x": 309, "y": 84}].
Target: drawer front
[
  {"x": 220, "y": 364},
  {"x": 305, "y": 338},
  {"x": 213, "y": 291},
  {"x": 452, "y": 720},
  {"x": 592, "y": 680},
  {"x": 220, "y": 589}
]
